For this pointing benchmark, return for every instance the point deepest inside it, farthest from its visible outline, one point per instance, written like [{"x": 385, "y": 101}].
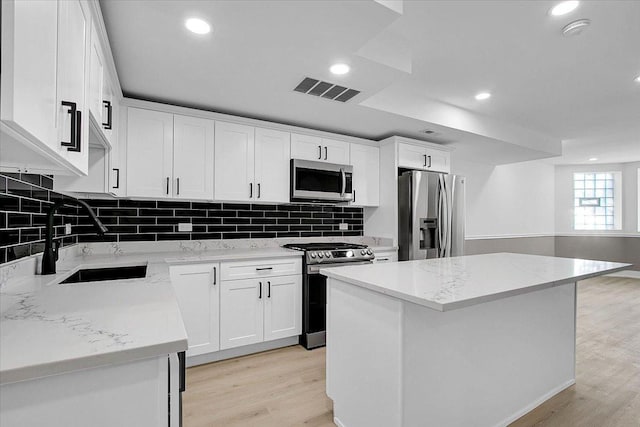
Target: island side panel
[
  {"x": 488, "y": 364},
  {"x": 364, "y": 356}
]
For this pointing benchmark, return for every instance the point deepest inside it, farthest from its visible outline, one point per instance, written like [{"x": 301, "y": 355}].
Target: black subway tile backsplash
[{"x": 26, "y": 198}]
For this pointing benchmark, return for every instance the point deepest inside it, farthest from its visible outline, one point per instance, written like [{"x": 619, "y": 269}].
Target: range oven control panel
[{"x": 339, "y": 255}]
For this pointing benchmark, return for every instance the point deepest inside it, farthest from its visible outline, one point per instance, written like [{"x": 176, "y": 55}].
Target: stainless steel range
[{"x": 314, "y": 285}]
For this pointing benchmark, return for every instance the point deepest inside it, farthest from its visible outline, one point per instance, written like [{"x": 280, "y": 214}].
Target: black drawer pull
[
  {"x": 117, "y": 170},
  {"x": 78, "y": 137},
  {"x": 109, "y": 107},
  {"x": 73, "y": 108},
  {"x": 264, "y": 268}
]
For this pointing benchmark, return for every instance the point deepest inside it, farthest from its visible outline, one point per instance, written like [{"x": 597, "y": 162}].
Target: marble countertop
[
  {"x": 47, "y": 328},
  {"x": 449, "y": 283}
]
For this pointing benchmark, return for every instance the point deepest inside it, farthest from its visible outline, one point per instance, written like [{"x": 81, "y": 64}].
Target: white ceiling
[{"x": 416, "y": 70}]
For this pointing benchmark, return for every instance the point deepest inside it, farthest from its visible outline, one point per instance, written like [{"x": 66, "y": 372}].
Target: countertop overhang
[{"x": 445, "y": 284}]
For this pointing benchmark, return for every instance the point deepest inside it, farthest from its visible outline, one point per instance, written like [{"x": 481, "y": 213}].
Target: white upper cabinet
[
  {"x": 197, "y": 289},
  {"x": 425, "y": 158},
  {"x": 193, "y": 147},
  {"x": 96, "y": 79},
  {"x": 234, "y": 162},
  {"x": 365, "y": 160},
  {"x": 45, "y": 50},
  {"x": 149, "y": 153},
  {"x": 28, "y": 77},
  {"x": 73, "y": 43},
  {"x": 272, "y": 157},
  {"x": 335, "y": 151},
  {"x": 308, "y": 147}
]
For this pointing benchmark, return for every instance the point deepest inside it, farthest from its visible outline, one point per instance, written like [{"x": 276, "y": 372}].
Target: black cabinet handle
[
  {"x": 269, "y": 290},
  {"x": 429, "y": 161},
  {"x": 177, "y": 186},
  {"x": 107, "y": 105},
  {"x": 354, "y": 196},
  {"x": 425, "y": 160},
  {"x": 214, "y": 275},
  {"x": 78, "y": 138},
  {"x": 117, "y": 170},
  {"x": 325, "y": 153},
  {"x": 250, "y": 190},
  {"x": 73, "y": 109},
  {"x": 264, "y": 268},
  {"x": 319, "y": 152},
  {"x": 183, "y": 371},
  {"x": 258, "y": 190},
  {"x": 260, "y": 295},
  {"x": 167, "y": 185}
]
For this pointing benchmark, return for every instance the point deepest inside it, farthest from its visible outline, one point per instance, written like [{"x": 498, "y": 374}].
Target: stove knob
[
  {"x": 369, "y": 252},
  {"x": 363, "y": 252},
  {"x": 327, "y": 254},
  {"x": 320, "y": 254},
  {"x": 349, "y": 254},
  {"x": 312, "y": 255}
]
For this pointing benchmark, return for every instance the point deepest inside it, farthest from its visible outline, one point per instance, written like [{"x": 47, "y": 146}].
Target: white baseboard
[
  {"x": 535, "y": 403},
  {"x": 201, "y": 359},
  {"x": 633, "y": 274}
]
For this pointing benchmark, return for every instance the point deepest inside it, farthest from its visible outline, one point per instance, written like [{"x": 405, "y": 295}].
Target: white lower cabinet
[
  {"x": 282, "y": 307},
  {"x": 238, "y": 303},
  {"x": 256, "y": 310},
  {"x": 197, "y": 288},
  {"x": 241, "y": 313},
  {"x": 386, "y": 256}
]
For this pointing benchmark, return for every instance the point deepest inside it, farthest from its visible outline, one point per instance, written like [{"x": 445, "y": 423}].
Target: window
[{"x": 596, "y": 201}]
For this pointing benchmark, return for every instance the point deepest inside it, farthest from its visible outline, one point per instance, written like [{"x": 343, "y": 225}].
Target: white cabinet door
[
  {"x": 72, "y": 81},
  {"x": 29, "y": 60},
  {"x": 149, "y": 153},
  {"x": 411, "y": 156},
  {"x": 283, "y": 307},
  {"x": 197, "y": 289},
  {"x": 306, "y": 147},
  {"x": 335, "y": 151},
  {"x": 366, "y": 175},
  {"x": 438, "y": 161},
  {"x": 193, "y": 146},
  {"x": 272, "y": 157},
  {"x": 234, "y": 162},
  {"x": 96, "y": 77},
  {"x": 241, "y": 312}
]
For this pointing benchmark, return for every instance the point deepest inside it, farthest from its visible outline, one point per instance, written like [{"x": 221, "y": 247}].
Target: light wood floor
[{"x": 286, "y": 387}]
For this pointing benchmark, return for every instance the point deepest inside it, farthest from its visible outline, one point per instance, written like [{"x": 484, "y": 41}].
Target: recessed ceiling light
[
  {"x": 198, "y": 26},
  {"x": 576, "y": 27},
  {"x": 339, "y": 69},
  {"x": 593, "y": 159},
  {"x": 637, "y": 79},
  {"x": 483, "y": 95},
  {"x": 564, "y": 7}
]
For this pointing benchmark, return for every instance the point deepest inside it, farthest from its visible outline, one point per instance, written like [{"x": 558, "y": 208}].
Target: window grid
[{"x": 593, "y": 205}]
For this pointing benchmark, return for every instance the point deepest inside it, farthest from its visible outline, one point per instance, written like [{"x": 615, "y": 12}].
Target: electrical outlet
[
  {"x": 344, "y": 226},
  {"x": 185, "y": 226},
  {"x": 67, "y": 229}
]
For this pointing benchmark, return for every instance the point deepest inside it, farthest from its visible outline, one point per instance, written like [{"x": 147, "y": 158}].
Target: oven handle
[{"x": 315, "y": 269}]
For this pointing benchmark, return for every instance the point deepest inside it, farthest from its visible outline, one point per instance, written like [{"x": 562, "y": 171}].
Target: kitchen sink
[{"x": 111, "y": 273}]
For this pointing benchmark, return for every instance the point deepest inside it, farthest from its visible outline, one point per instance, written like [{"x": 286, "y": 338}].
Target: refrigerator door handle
[
  {"x": 450, "y": 189},
  {"x": 444, "y": 214},
  {"x": 440, "y": 219}
]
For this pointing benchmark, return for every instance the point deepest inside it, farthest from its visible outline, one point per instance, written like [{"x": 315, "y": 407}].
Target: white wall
[
  {"x": 564, "y": 196},
  {"x": 508, "y": 200}
]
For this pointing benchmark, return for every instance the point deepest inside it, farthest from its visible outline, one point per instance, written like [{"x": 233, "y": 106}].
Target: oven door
[{"x": 317, "y": 181}]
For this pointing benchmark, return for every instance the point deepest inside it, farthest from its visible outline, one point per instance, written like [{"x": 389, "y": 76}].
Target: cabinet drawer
[
  {"x": 387, "y": 256},
  {"x": 260, "y": 268}
]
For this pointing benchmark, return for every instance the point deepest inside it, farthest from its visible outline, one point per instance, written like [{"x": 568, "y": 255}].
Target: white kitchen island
[{"x": 466, "y": 341}]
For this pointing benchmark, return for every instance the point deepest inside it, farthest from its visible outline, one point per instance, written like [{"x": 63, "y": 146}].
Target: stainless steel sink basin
[{"x": 111, "y": 273}]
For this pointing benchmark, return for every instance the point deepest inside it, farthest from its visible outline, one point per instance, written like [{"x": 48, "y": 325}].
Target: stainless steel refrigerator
[{"x": 430, "y": 215}]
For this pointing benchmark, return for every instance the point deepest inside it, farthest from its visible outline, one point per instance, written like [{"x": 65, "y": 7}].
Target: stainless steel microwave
[{"x": 320, "y": 182}]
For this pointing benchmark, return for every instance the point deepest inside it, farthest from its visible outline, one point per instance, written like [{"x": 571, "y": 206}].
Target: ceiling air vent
[{"x": 325, "y": 90}]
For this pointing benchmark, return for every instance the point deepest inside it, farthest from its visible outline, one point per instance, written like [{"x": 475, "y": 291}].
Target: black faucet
[{"x": 50, "y": 255}]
